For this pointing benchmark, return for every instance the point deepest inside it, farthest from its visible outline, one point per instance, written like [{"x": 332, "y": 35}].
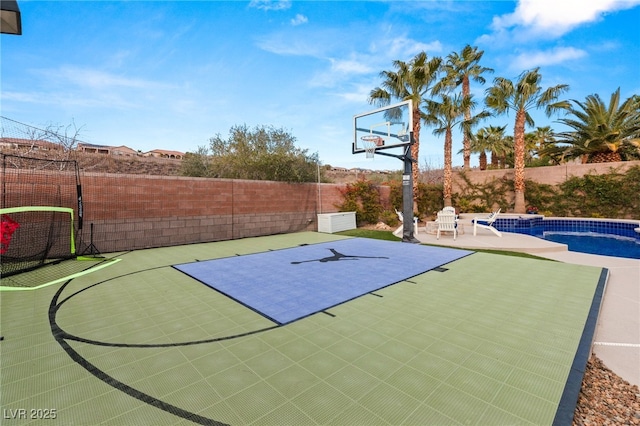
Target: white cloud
[
  {"x": 347, "y": 58},
  {"x": 401, "y": 47},
  {"x": 282, "y": 44},
  {"x": 96, "y": 79},
  {"x": 391, "y": 45},
  {"x": 69, "y": 99},
  {"x": 299, "y": 20},
  {"x": 555, "y": 56},
  {"x": 348, "y": 66},
  {"x": 553, "y": 18},
  {"x": 358, "y": 94},
  {"x": 22, "y": 97},
  {"x": 343, "y": 70},
  {"x": 76, "y": 88},
  {"x": 270, "y": 4}
]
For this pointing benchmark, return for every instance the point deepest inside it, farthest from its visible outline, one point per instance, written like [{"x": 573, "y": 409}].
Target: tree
[
  {"x": 444, "y": 115},
  {"x": 196, "y": 164},
  {"x": 459, "y": 70},
  {"x": 501, "y": 146},
  {"x": 536, "y": 142},
  {"x": 521, "y": 97},
  {"x": 60, "y": 142},
  {"x": 411, "y": 81},
  {"x": 261, "y": 153},
  {"x": 600, "y": 133},
  {"x": 480, "y": 144},
  {"x": 490, "y": 139}
]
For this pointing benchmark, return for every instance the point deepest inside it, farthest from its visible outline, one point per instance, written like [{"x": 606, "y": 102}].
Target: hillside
[{"x": 101, "y": 163}]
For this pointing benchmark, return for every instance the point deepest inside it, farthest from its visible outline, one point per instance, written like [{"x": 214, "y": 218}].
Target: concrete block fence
[
  {"x": 143, "y": 211},
  {"x": 134, "y": 212}
]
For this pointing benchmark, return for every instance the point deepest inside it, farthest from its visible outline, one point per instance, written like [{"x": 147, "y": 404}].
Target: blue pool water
[
  {"x": 602, "y": 244},
  {"x": 603, "y": 237}
]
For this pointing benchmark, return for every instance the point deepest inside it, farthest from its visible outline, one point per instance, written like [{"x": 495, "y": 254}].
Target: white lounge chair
[
  {"x": 447, "y": 223},
  {"x": 487, "y": 223},
  {"x": 398, "y": 232},
  {"x": 449, "y": 209}
]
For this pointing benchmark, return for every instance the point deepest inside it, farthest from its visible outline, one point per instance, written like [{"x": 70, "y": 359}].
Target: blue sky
[{"x": 172, "y": 74}]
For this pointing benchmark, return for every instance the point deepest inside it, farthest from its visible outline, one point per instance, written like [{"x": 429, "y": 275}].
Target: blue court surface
[{"x": 289, "y": 284}]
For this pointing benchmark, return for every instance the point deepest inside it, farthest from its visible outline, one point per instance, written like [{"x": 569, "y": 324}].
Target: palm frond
[{"x": 598, "y": 129}]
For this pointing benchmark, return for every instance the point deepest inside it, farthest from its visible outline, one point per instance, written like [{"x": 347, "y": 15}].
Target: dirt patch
[{"x": 380, "y": 226}]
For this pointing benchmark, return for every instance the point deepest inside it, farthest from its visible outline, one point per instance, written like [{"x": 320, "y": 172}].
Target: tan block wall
[{"x": 550, "y": 175}]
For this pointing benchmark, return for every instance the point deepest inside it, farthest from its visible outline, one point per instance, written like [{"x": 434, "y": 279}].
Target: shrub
[
  {"x": 362, "y": 197},
  {"x": 483, "y": 197},
  {"x": 429, "y": 198},
  {"x": 612, "y": 195}
]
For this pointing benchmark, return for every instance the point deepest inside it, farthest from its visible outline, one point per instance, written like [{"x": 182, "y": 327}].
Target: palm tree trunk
[
  {"x": 415, "y": 151},
  {"x": 519, "y": 153},
  {"x": 466, "y": 143},
  {"x": 494, "y": 160},
  {"x": 447, "y": 190},
  {"x": 483, "y": 160}
]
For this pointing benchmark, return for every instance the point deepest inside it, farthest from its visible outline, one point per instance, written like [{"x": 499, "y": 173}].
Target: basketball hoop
[{"x": 370, "y": 143}]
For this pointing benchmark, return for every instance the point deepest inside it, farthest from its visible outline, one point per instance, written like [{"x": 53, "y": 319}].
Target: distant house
[
  {"x": 162, "y": 153},
  {"x": 94, "y": 149},
  {"x": 106, "y": 149},
  {"x": 29, "y": 144},
  {"x": 124, "y": 150}
]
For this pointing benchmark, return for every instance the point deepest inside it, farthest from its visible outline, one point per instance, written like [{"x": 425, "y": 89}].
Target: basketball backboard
[{"x": 383, "y": 128}]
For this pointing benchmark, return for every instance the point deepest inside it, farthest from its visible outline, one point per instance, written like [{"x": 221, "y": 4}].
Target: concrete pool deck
[{"x": 617, "y": 338}]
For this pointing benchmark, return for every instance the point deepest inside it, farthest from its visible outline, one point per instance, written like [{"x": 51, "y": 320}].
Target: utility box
[{"x": 336, "y": 222}]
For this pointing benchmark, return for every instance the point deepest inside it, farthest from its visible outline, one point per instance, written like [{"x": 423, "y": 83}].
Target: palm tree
[
  {"x": 601, "y": 133},
  {"x": 446, "y": 114},
  {"x": 506, "y": 154},
  {"x": 521, "y": 97},
  {"x": 491, "y": 139},
  {"x": 541, "y": 138},
  {"x": 459, "y": 70},
  {"x": 500, "y": 145},
  {"x": 530, "y": 147},
  {"x": 480, "y": 144},
  {"x": 411, "y": 81}
]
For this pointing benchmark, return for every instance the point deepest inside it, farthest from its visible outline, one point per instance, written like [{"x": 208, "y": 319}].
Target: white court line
[{"x": 628, "y": 345}]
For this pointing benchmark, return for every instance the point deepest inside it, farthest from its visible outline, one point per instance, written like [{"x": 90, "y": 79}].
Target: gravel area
[{"x": 605, "y": 398}]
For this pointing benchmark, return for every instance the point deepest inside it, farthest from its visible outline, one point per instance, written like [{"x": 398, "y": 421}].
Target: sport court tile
[{"x": 484, "y": 297}]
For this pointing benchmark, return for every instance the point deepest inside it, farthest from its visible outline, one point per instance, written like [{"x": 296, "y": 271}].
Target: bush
[
  {"x": 362, "y": 197},
  {"x": 429, "y": 198},
  {"x": 261, "y": 153},
  {"x": 613, "y": 195},
  {"x": 479, "y": 198}
]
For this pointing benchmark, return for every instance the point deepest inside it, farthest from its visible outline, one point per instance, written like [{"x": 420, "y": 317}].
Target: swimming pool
[
  {"x": 596, "y": 236},
  {"x": 602, "y": 244}
]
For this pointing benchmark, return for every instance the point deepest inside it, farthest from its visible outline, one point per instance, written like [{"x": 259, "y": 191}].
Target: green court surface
[{"x": 488, "y": 340}]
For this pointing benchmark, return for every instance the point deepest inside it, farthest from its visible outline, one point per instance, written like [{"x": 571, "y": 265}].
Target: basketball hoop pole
[
  {"x": 407, "y": 191},
  {"x": 407, "y": 195},
  {"x": 371, "y": 141}
]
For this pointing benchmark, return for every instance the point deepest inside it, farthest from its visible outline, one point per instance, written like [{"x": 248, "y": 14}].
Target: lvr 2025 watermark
[{"x": 29, "y": 413}]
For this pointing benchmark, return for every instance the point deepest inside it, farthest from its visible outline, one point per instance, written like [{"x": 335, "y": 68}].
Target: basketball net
[{"x": 370, "y": 143}]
